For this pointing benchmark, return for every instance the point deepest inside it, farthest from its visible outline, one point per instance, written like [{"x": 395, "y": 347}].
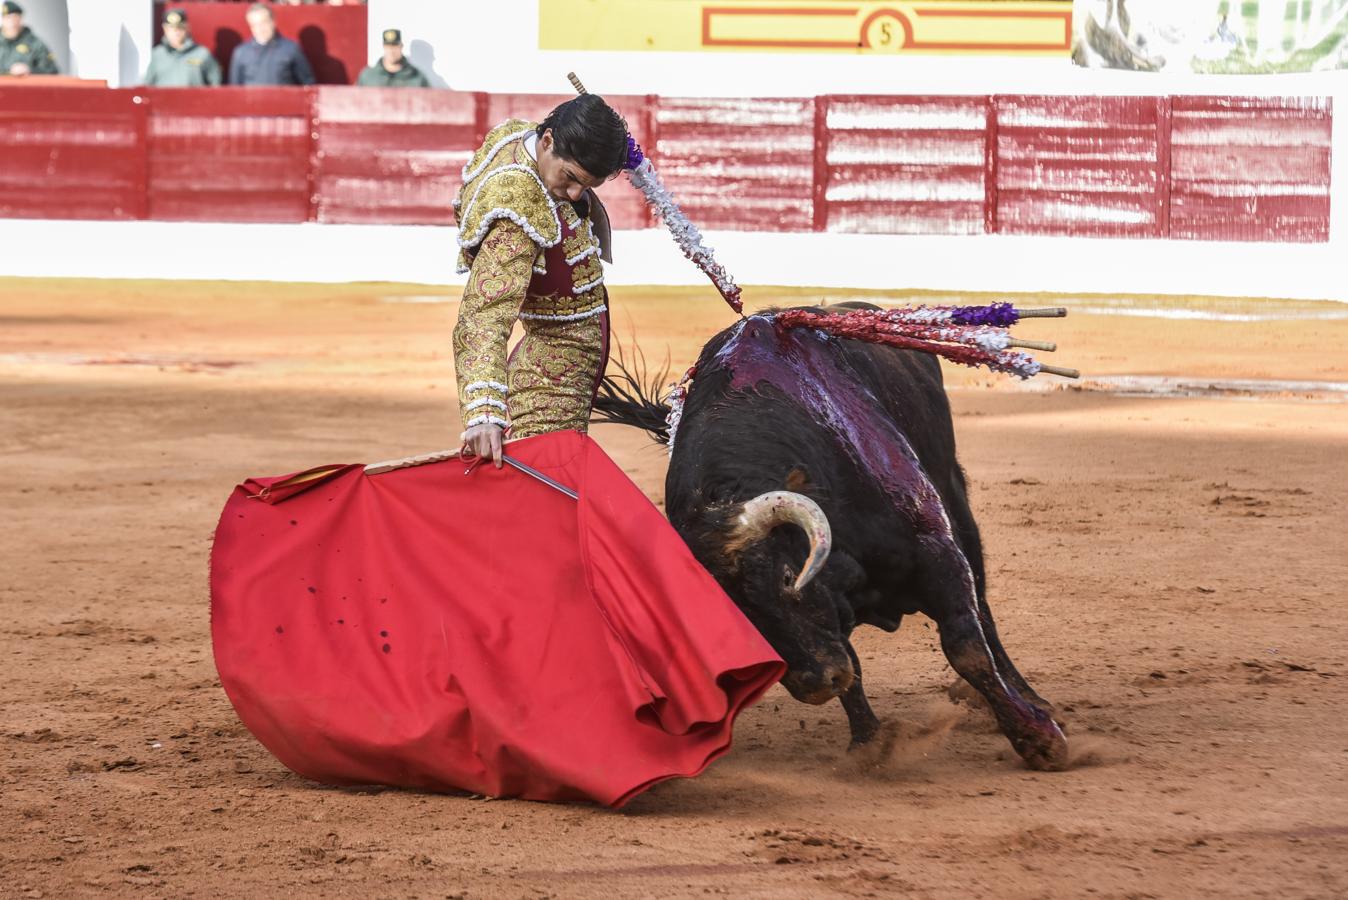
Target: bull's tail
[{"x": 633, "y": 397}]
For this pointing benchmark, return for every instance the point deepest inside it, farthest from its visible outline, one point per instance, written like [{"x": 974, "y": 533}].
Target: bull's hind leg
[
  {"x": 860, "y": 717},
  {"x": 952, "y": 602}
]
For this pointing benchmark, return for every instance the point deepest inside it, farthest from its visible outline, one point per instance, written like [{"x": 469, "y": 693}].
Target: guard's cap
[
  {"x": 10, "y": 8},
  {"x": 393, "y": 36},
  {"x": 175, "y": 17}
]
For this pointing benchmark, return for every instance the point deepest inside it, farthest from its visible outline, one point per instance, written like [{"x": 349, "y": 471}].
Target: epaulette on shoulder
[{"x": 496, "y": 187}]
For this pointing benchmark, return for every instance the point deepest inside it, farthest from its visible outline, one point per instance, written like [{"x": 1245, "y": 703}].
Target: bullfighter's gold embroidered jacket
[{"x": 532, "y": 259}]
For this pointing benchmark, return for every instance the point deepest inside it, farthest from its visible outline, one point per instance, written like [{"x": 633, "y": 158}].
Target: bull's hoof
[
  {"x": 864, "y": 729},
  {"x": 1045, "y": 751},
  {"x": 862, "y": 742}
]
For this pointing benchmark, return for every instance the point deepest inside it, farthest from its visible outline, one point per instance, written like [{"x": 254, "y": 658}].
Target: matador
[{"x": 532, "y": 234}]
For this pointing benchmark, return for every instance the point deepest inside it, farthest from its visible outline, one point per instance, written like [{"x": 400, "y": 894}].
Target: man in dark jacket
[
  {"x": 21, "y": 51},
  {"x": 393, "y": 70},
  {"x": 268, "y": 58},
  {"x": 179, "y": 61}
]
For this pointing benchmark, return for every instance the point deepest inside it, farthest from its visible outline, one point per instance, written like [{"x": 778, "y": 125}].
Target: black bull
[{"x": 863, "y": 434}]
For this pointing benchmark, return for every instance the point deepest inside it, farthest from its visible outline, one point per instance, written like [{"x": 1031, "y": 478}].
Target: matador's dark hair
[{"x": 590, "y": 133}]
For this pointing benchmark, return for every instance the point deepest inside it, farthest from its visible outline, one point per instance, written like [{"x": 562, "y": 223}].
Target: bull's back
[{"x": 862, "y": 392}]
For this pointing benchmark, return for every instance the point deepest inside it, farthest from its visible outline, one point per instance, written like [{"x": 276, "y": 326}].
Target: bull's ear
[{"x": 797, "y": 479}]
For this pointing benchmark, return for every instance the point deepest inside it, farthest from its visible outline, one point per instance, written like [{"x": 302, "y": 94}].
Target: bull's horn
[{"x": 766, "y": 511}]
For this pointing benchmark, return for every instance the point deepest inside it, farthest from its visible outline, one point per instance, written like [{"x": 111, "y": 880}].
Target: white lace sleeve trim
[
  {"x": 572, "y": 317},
  {"x": 486, "y": 401},
  {"x": 484, "y": 420},
  {"x": 486, "y": 385}
]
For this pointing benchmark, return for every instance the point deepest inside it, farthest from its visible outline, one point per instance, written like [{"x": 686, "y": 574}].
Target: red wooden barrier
[
  {"x": 739, "y": 164},
  {"x": 392, "y": 155},
  {"x": 1077, "y": 165},
  {"x": 1190, "y": 167},
  {"x": 333, "y": 38},
  {"x": 230, "y": 154},
  {"x": 71, "y": 153},
  {"x": 1250, "y": 168},
  {"x": 905, "y": 165}
]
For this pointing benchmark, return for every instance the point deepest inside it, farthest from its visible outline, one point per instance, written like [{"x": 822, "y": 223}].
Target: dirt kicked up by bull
[{"x": 852, "y": 442}]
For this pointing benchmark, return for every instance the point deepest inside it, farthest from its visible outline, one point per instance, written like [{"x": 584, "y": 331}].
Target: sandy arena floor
[{"x": 1170, "y": 570}]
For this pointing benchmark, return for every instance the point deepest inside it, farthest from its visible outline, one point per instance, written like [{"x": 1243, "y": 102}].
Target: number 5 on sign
[{"x": 932, "y": 26}]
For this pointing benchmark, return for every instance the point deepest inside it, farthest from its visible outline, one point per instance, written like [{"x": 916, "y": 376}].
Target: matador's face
[{"x": 564, "y": 178}]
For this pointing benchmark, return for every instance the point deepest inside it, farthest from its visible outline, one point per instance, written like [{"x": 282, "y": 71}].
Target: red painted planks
[
  {"x": 229, "y": 154},
  {"x": 739, "y": 164},
  {"x": 391, "y": 155},
  {"x": 70, "y": 153},
  {"x": 1077, "y": 165},
  {"x": 905, "y": 165},
  {"x": 1250, "y": 168},
  {"x": 1233, "y": 168}
]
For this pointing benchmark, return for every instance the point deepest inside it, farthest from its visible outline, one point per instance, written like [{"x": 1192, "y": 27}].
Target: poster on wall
[
  {"x": 1000, "y": 27},
  {"x": 1219, "y": 37}
]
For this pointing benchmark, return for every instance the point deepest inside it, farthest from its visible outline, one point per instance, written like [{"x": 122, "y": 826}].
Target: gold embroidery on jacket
[
  {"x": 496, "y": 289},
  {"x": 505, "y": 185},
  {"x": 550, "y": 376},
  {"x": 586, "y": 273},
  {"x": 553, "y": 373}
]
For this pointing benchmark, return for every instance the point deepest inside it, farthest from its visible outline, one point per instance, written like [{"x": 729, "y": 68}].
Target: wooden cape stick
[{"x": 408, "y": 462}]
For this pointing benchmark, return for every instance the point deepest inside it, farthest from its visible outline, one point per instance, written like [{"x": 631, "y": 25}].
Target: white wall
[
  {"x": 425, "y": 255},
  {"x": 109, "y": 39}
]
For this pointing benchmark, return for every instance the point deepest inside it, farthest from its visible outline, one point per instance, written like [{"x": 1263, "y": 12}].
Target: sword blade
[{"x": 534, "y": 473}]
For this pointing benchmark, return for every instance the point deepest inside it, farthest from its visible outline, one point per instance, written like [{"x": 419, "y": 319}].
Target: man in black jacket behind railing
[{"x": 269, "y": 58}]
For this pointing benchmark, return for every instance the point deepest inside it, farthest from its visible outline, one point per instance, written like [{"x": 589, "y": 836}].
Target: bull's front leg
[
  {"x": 860, "y": 717},
  {"x": 1007, "y": 668},
  {"x": 950, "y": 600}
]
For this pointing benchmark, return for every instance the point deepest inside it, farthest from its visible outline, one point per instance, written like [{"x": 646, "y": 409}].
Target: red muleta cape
[{"x": 483, "y": 633}]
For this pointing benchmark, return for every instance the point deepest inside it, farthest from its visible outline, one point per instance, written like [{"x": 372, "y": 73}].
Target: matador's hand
[{"x": 484, "y": 441}]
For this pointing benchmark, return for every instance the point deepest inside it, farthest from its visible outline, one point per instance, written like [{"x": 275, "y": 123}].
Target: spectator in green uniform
[
  {"x": 179, "y": 61},
  {"x": 393, "y": 70},
  {"x": 21, "y": 51}
]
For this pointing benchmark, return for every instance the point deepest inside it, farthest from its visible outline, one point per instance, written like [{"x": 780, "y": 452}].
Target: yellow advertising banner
[{"x": 794, "y": 26}]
